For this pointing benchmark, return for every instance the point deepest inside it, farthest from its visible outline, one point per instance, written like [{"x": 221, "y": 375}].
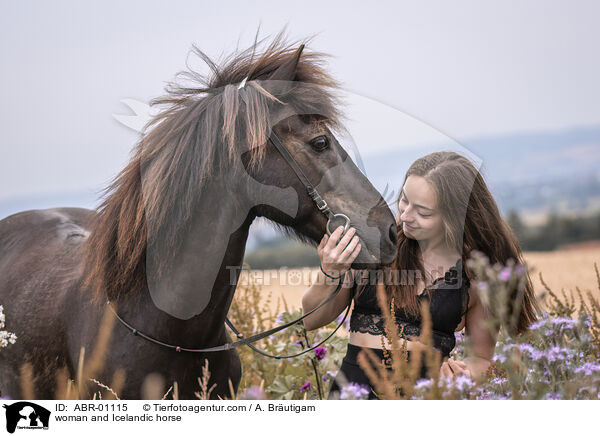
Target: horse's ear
[{"x": 287, "y": 70}]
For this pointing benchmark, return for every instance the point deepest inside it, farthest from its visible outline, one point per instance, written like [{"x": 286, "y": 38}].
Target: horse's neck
[
  {"x": 190, "y": 299},
  {"x": 197, "y": 282}
]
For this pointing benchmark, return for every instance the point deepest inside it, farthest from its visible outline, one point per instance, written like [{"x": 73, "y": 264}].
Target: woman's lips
[{"x": 409, "y": 227}]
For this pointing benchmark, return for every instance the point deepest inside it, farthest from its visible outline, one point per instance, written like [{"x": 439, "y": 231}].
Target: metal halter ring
[{"x": 340, "y": 215}]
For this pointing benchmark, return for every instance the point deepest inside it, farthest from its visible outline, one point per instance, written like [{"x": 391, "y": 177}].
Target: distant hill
[
  {"x": 533, "y": 173},
  {"x": 524, "y": 171}
]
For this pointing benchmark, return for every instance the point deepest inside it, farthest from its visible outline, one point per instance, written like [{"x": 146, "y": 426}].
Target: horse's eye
[{"x": 320, "y": 143}]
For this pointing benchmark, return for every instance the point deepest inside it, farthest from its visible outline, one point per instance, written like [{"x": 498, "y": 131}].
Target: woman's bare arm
[
  {"x": 336, "y": 256},
  {"x": 318, "y": 292},
  {"x": 482, "y": 342}
]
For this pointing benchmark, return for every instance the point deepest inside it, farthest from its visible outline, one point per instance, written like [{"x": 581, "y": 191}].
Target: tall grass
[{"x": 558, "y": 357}]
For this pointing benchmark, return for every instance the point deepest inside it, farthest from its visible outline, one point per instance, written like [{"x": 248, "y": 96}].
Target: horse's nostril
[{"x": 393, "y": 234}]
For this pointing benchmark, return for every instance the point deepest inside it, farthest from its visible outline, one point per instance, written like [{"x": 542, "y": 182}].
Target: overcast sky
[{"x": 413, "y": 71}]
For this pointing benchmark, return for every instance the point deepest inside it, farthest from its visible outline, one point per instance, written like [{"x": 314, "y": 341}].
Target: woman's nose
[{"x": 405, "y": 216}]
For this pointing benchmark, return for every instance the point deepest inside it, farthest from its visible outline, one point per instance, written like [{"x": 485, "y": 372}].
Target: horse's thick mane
[{"x": 200, "y": 131}]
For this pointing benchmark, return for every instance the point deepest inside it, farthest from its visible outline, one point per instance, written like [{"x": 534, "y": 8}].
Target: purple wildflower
[
  {"x": 499, "y": 358},
  {"x": 354, "y": 391},
  {"x": 464, "y": 382},
  {"x": 497, "y": 380},
  {"x": 423, "y": 383},
  {"x": 482, "y": 286},
  {"x": 332, "y": 374},
  {"x": 556, "y": 353},
  {"x": 305, "y": 387},
  {"x": 588, "y": 368},
  {"x": 537, "y": 354},
  {"x": 299, "y": 343},
  {"x": 320, "y": 352},
  {"x": 567, "y": 323},
  {"x": 253, "y": 393},
  {"x": 526, "y": 348},
  {"x": 537, "y": 325},
  {"x": 505, "y": 274}
]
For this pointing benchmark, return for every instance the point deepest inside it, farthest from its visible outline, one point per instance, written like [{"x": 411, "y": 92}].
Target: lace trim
[
  {"x": 366, "y": 317},
  {"x": 373, "y": 324}
]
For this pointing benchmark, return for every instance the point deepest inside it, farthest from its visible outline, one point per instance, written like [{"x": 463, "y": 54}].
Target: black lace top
[{"x": 448, "y": 301}]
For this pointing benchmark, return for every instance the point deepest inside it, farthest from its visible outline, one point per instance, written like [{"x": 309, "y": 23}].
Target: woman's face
[{"x": 419, "y": 216}]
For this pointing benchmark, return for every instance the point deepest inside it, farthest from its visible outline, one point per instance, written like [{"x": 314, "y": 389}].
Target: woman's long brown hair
[{"x": 471, "y": 221}]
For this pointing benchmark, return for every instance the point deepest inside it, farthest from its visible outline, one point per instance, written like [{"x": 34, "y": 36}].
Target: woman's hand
[
  {"x": 338, "y": 254},
  {"x": 451, "y": 368}
]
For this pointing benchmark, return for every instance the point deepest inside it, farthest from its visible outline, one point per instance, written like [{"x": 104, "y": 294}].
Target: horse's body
[
  {"x": 54, "y": 316},
  {"x": 166, "y": 244}
]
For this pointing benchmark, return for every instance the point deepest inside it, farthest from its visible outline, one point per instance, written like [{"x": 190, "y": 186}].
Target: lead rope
[
  {"x": 323, "y": 207},
  {"x": 244, "y": 341}
]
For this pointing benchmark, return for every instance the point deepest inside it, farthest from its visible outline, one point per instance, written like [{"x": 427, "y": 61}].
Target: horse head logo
[{"x": 26, "y": 415}]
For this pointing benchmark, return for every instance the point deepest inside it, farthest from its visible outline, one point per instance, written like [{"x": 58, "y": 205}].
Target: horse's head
[
  {"x": 303, "y": 116},
  {"x": 207, "y": 167}
]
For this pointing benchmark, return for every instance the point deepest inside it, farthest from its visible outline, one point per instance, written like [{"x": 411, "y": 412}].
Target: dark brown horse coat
[
  {"x": 54, "y": 316},
  {"x": 58, "y": 267}
]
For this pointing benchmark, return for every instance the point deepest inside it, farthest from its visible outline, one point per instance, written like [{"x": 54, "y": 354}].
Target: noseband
[{"x": 323, "y": 207}]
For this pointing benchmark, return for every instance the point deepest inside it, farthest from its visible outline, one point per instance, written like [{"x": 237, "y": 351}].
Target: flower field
[{"x": 557, "y": 358}]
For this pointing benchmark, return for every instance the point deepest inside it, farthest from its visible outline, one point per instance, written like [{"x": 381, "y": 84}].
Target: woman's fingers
[
  {"x": 322, "y": 245},
  {"x": 356, "y": 252},
  {"x": 339, "y": 249},
  {"x": 334, "y": 237},
  {"x": 349, "y": 258},
  {"x": 459, "y": 363},
  {"x": 349, "y": 250},
  {"x": 458, "y": 369},
  {"x": 451, "y": 368},
  {"x": 445, "y": 370},
  {"x": 323, "y": 240},
  {"x": 338, "y": 252}
]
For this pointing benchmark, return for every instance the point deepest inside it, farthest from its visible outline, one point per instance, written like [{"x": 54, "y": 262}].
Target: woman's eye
[
  {"x": 424, "y": 216},
  {"x": 319, "y": 143}
]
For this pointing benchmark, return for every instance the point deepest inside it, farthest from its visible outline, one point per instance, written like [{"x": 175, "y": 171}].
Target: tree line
[{"x": 556, "y": 231}]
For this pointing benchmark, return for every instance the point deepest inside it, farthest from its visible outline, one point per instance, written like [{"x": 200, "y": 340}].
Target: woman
[{"x": 445, "y": 212}]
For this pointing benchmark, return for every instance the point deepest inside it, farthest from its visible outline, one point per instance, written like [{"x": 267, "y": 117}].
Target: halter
[
  {"x": 323, "y": 207},
  {"x": 310, "y": 189}
]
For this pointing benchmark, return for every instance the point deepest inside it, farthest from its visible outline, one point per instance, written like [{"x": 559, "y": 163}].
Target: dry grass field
[{"x": 561, "y": 269}]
